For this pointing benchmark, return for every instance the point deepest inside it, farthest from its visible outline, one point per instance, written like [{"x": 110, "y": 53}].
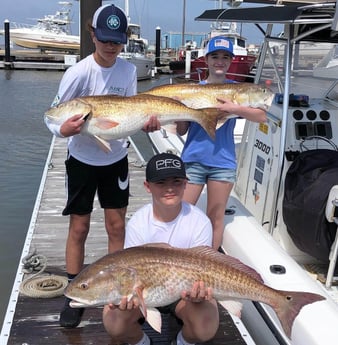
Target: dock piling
[
  {"x": 8, "y": 62},
  {"x": 158, "y": 47}
]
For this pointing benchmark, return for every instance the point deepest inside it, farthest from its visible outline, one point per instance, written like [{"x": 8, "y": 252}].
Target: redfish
[
  {"x": 206, "y": 96},
  {"x": 156, "y": 276},
  {"x": 113, "y": 117}
]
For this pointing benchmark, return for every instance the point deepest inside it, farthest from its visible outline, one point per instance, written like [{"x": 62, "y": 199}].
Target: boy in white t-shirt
[
  {"x": 170, "y": 220},
  {"x": 89, "y": 169}
]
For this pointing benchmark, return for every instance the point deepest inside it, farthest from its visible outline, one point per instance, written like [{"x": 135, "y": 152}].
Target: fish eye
[{"x": 84, "y": 286}]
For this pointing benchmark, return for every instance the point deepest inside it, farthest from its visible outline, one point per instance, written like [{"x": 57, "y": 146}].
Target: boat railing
[
  {"x": 43, "y": 26},
  {"x": 58, "y": 23},
  {"x": 15, "y": 25}
]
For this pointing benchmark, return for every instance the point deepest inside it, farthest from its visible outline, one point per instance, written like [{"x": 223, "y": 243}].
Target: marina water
[{"x": 24, "y": 145}]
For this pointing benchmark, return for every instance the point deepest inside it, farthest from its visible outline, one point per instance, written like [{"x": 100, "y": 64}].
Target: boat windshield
[
  {"x": 136, "y": 46},
  {"x": 240, "y": 42},
  {"x": 332, "y": 93}
]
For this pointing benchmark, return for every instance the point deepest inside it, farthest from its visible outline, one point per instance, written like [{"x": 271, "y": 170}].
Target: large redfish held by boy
[
  {"x": 157, "y": 274},
  {"x": 114, "y": 117}
]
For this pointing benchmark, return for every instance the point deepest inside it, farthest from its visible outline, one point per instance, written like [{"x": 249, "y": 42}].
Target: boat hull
[
  {"x": 316, "y": 324},
  {"x": 44, "y": 40},
  {"x": 71, "y": 44},
  {"x": 144, "y": 65}
]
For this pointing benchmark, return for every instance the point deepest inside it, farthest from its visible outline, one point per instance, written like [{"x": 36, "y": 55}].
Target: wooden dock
[
  {"x": 35, "y": 321},
  {"x": 37, "y": 60}
]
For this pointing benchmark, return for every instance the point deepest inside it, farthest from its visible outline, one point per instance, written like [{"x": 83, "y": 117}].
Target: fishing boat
[
  {"x": 135, "y": 51},
  {"x": 277, "y": 221},
  {"x": 52, "y": 32},
  {"x": 191, "y": 61},
  {"x": 255, "y": 230}
]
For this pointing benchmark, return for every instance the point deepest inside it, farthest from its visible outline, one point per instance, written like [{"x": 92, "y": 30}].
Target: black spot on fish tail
[{"x": 292, "y": 305}]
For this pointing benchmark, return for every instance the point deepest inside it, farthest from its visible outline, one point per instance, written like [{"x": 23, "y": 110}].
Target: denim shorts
[{"x": 200, "y": 174}]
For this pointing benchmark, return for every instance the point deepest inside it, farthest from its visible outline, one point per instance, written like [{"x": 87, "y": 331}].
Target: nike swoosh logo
[{"x": 123, "y": 185}]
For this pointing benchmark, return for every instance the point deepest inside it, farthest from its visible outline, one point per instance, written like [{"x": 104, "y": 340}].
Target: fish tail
[
  {"x": 209, "y": 120},
  {"x": 293, "y": 303}
]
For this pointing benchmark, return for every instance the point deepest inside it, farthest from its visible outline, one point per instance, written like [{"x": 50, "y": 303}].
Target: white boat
[
  {"x": 302, "y": 122},
  {"x": 135, "y": 51},
  {"x": 52, "y": 32}
]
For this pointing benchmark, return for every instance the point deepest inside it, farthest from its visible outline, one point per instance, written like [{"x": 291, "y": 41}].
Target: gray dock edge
[{"x": 47, "y": 209}]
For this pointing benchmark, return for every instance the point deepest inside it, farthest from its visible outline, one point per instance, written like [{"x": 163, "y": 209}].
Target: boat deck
[{"x": 35, "y": 320}]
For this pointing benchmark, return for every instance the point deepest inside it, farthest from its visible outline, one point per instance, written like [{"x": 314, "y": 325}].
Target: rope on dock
[{"x": 41, "y": 285}]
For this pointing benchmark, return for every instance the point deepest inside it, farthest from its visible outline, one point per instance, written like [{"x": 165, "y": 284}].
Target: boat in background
[
  {"x": 191, "y": 61},
  {"x": 135, "y": 51},
  {"x": 52, "y": 32}
]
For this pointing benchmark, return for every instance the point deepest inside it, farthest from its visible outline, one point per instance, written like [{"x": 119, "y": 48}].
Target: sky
[{"x": 166, "y": 14}]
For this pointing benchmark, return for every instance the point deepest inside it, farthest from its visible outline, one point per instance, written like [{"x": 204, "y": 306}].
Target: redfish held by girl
[
  {"x": 156, "y": 274},
  {"x": 207, "y": 96}
]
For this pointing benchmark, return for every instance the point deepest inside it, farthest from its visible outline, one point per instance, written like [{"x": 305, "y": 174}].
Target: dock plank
[{"x": 36, "y": 320}]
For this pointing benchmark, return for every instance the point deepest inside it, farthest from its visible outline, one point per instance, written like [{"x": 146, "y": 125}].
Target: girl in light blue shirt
[{"x": 213, "y": 162}]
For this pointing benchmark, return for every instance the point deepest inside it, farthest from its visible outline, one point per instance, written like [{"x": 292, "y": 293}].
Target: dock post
[
  {"x": 8, "y": 62},
  {"x": 87, "y": 10},
  {"x": 158, "y": 47}
]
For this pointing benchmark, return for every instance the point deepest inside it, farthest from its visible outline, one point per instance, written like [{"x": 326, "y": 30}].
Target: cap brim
[
  {"x": 161, "y": 178},
  {"x": 118, "y": 37},
  {"x": 221, "y": 49}
]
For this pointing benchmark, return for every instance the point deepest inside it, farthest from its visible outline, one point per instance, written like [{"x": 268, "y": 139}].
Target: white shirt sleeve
[
  {"x": 137, "y": 229},
  {"x": 69, "y": 88}
]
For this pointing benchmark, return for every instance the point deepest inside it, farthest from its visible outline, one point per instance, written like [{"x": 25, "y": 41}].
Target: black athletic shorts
[{"x": 111, "y": 182}]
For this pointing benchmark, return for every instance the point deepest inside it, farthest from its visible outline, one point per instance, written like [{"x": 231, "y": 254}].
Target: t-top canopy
[
  {"x": 273, "y": 14},
  {"x": 305, "y": 16}
]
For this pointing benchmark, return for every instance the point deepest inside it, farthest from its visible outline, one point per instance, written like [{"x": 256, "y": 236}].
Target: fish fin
[
  {"x": 104, "y": 144},
  {"x": 232, "y": 306},
  {"x": 103, "y": 123},
  {"x": 143, "y": 308},
  {"x": 228, "y": 260},
  {"x": 209, "y": 120},
  {"x": 223, "y": 119},
  {"x": 291, "y": 305},
  {"x": 154, "y": 319}
]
